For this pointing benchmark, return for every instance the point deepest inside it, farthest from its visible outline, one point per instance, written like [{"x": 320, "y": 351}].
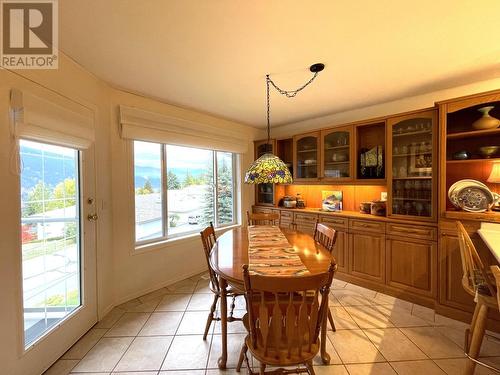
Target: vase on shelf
[{"x": 486, "y": 121}]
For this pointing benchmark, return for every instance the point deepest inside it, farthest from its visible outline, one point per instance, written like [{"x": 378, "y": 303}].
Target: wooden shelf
[
  {"x": 311, "y": 150},
  {"x": 428, "y": 132},
  {"x": 337, "y": 147},
  {"x": 418, "y": 153},
  {"x": 411, "y": 199},
  {"x": 497, "y": 159},
  {"x": 336, "y": 162},
  {"x": 490, "y": 216},
  {"x": 413, "y": 178},
  {"x": 473, "y": 134},
  {"x": 308, "y": 165}
]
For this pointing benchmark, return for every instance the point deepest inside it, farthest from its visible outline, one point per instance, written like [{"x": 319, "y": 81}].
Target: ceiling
[{"x": 213, "y": 56}]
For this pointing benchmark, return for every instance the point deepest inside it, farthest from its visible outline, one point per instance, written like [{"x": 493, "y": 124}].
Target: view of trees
[
  {"x": 43, "y": 198},
  {"x": 146, "y": 189}
]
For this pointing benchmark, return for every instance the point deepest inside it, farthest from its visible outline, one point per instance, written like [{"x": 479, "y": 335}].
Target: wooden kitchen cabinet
[
  {"x": 367, "y": 255},
  {"x": 336, "y": 154},
  {"x": 412, "y": 265},
  {"x": 341, "y": 249},
  {"x": 306, "y": 155},
  {"x": 305, "y": 222}
]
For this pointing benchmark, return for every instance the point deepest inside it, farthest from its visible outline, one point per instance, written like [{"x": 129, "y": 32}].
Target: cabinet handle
[{"x": 411, "y": 230}]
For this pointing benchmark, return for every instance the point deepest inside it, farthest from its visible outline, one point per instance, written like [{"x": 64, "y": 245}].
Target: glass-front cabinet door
[
  {"x": 306, "y": 155},
  {"x": 412, "y": 166},
  {"x": 336, "y": 153},
  {"x": 264, "y": 193}
]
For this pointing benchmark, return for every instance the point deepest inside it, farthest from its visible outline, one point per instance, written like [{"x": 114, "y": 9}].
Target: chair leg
[
  {"x": 332, "y": 323},
  {"x": 210, "y": 316},
  {"x": 476, "y": 338},
  {"x": 231, "y": 311},
  {"x": 262, "y": 369},
  {"x": 310, "y": 368},
  {"x": 243, "y": 352}
]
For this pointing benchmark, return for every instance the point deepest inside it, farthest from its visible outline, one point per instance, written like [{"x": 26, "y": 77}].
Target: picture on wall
[{"x": 332, "y": 200}]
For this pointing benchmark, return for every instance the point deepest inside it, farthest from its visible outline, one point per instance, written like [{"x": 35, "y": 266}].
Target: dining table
[{"x": 231, "y": 252}]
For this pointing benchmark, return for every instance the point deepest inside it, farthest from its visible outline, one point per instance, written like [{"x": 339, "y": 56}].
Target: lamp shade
[
  {"x": 495, "y": 174},
  {"x": 268, "y": 169}
]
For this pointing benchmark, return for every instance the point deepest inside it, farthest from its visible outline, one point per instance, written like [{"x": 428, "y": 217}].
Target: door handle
[{"x": 92, "y": 217}]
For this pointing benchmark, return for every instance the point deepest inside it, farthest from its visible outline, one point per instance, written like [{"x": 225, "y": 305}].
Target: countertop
[
  {"x": 353, "y": 215},
  {"x": 490, "y": 233}
]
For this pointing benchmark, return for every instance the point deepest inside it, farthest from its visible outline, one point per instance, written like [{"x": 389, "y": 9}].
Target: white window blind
[
  {"x": 141, "y": 125},
  {"x": 64, "y": 122}
]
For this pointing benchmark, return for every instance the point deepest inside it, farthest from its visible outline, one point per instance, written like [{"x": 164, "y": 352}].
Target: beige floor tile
[
  {"x": 84, "y": 345},
  {"x": 193, "y": 322},
  {"x": 433, "y": 343},
  {"x": 148, "y": 306},
  {"x": 338, "y": 284},
  {"x": 456, "y": 366},
  {"x": 129, "y": 304},
  {"x": 351, "y": 298},
  {"x": 334, "y": 357},
  {"x": 239, "y": 303},
  {"x": 360, "y": 290},
  {"x": 200, "y": 302},
  {"x": 190, "y": 372},
  {"x": 184, "y": 286},
  {"x": 145, "y": 354},
  {"x": 371, "y": 369},
  {"x": 228, "y": 371},
  {"x": 342, "y": 319},
  {"x": 187, "y": 352},
  {"x": 162, "y": 323},
  {"x": 105, "y": 355},
  {"x": 132, "y": 373},
  {"x": 200, "y": 276},
  {"x": 154, "y": 295},
  {"x": 393, "y": 345},
  {"x": 354, "y": 347},
  {"x": 203, "y": 286},
  {"x": 489, "y": 348},
  {"x": 384, "y": 299},
  {"x": 423, "y": 312},
  {"x": 440, "y": 320},
  {"x": 333, "y": 301},
  {"x": 368, "y": 317},
  {"x": 110, "y": 319},
  {"x": 129, "y": 325},
  {"x": 234, "y": 343},
  {"x": 233, "y": 327},
  {"x": 330, "y": 370},
  {"x": 402, "y": 317},
  {"x": 61, "y": 367},
  {"x": 174, "y": 302},
  {"x": 426, "y": 367}
]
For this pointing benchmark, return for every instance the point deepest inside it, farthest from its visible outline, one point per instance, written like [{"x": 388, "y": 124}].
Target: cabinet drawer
[
  {"x": 335, "y": 222},
  {"x": 261, "y": 210},
  {"x": 305, "y": 218},
  {"x": 286, "y": 214},
  {"x": 368, "y": 226},
  {"x": 426, "y": 233}
]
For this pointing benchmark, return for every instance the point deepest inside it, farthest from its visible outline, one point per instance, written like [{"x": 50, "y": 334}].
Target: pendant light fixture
[{"x": 270, "y": 169}]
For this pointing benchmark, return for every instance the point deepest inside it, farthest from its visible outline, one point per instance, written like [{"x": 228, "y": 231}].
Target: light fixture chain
[
  {"x": 268, "y": 112},
  {"x": 291, "y": 93}
]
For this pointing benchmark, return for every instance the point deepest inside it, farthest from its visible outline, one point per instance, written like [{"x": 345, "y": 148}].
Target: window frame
[{"x": 164, "y": 195}]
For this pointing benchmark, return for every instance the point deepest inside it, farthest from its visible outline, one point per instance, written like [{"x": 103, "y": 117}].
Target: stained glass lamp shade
[{"x": 268, "y": 169}]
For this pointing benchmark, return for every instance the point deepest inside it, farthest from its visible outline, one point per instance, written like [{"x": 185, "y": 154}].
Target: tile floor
[{"x": 160, "y": 333}]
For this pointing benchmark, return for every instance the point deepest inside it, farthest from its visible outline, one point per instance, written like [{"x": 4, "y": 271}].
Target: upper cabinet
[
  {"x": 306, "y": 152},
  {"x": 412, "y": 165},
  {"x": 470, "y": 140},
  {"x": 370, "y": 152},
  {"x": 264, "y": 193},
  {"x": 336, "y": 154}
]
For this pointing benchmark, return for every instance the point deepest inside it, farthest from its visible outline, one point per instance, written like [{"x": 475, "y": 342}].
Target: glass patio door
[{"x": 58, "y": 244}]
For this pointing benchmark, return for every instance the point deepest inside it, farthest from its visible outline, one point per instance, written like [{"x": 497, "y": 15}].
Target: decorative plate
[{"x": 475, "y": 198}]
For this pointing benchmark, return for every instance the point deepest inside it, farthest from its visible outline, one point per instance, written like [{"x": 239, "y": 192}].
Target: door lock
[{"x": 92, "y": 217}]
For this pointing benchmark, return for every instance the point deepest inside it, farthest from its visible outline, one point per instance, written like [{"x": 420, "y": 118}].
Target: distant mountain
[{"x": 55, "y": 170}]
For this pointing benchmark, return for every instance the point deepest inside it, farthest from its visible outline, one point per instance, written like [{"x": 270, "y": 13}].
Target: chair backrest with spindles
[
  {"x": 208, "y": 239},
  {"x": 325, "y": 235},
  {"x": 475, "y": 276},
  {"x": 285, "y": 313},
  {"x": 263, "y": 219}
]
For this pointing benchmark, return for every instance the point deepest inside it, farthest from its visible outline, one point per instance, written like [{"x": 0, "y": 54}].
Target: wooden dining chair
[
  {"x": 284, "y": 318},
  {"x": 208, "y": 239},
  {"x": 327, "y": 237},
  {"x": 480, "y": 284},
  {"x": 263, "y": 219}
]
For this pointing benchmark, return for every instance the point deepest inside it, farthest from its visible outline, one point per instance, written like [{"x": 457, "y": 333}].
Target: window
[
  {"x": 50, "y": 236},
  {"x": 180, "y": 190}
]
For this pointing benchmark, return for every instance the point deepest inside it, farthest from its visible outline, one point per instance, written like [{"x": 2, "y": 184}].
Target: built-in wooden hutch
[{"x": 412, "y": 252}]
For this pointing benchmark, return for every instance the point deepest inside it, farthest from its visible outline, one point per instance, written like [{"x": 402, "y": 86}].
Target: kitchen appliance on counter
[
  {"x": 378, "y": 208},
  {"x": 365, "y": 207},
  {"x": 289, "y": 201},
  {"x": 301, "y": 203}
]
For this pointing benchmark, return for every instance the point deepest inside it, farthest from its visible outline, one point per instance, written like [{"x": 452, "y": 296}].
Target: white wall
[{"x": 121, "y": 272}]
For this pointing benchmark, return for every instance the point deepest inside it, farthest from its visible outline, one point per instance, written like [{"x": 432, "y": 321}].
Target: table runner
[{"x": 270, "y": 253}]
